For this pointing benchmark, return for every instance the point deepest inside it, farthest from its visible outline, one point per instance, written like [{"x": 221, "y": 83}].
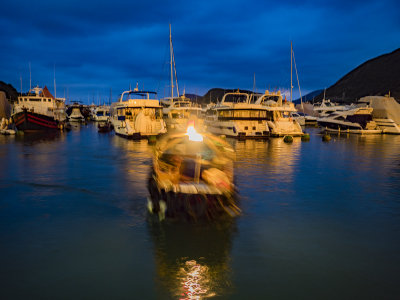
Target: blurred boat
[
  {"x": 236, "y": 117},
  {"x": 101, "y": 114},
  {"x": 137, "y": 114},
  {"x": 38, "y": 110},
  {"x": 192, "y": 176},
  {"x": 104, "y": 126}
]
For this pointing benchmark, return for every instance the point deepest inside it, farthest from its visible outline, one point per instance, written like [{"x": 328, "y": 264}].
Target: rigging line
[
  {"x": 297, "y": 76},
  {"x": 176, "y": 76},
  {"x": 162, "y": 70}
]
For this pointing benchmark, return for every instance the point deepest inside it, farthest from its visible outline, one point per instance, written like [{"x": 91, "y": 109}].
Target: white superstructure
[
  {"x": 279, "y": 118},
  {"x": 76, "y": 114},
  {"x": 40, "y": 101},
  {"x": 101, "y": 113},
  {"x": 356, "y": 120},
  {"x": 234, "y": 116},
  {"x": 137, "y": 114},
  {"x": 178, "y": 111}
]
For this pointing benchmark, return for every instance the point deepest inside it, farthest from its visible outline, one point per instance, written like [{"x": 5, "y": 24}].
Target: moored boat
[
  {"x": 179, "y": 111},
  {"x": 386, "y": 112},
  {"x": 75, "y": 113},
  {"x": 278, "y": 115},
  {"x": 101, "y": 113},
  {"x": 104, "y": 126},
  {"x": 38, "y": 110},
  {"x": 236, "y": 117},
  {"x": 356, "y": 120},
  {"x": 137, "y": 114}
]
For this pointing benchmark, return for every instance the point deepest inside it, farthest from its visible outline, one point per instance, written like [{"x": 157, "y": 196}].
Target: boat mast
[
  {"x": 297, "y": 77},
  {"x": 291, "y": 70},
  {"x": 172, "y": 74},
  {"x": 254, "y": 82},
  {"x": 30, "y": 77},
  {"x": 55, "y": 89}
]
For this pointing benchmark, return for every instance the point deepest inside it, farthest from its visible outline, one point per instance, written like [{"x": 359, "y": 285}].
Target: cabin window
[
  {"x": 236, "y": 98},
  {"x": 225, "y": 113}
]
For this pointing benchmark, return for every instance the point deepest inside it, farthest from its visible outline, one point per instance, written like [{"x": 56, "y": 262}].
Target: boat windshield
[
  {"x": 139, "y": 95},
  {"x": 236, "y": 98}
]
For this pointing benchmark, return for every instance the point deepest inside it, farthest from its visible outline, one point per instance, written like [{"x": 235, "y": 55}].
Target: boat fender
[{"x": 288, "y": 139}]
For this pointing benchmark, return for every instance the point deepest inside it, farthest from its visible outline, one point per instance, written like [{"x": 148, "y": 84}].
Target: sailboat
[{"x": 179, "y": 111}]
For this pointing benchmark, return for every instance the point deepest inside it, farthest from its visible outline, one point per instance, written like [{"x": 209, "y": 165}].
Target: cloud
[{"x": 103, "y": 44}]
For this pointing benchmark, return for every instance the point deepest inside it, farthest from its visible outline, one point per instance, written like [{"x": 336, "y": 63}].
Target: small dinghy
[{"x": 104, "y": 126}]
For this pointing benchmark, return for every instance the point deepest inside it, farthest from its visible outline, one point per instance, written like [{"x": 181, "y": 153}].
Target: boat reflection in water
[
  {"x": 133, "y": 162},
  {"x": 192, "y": 176},
  {"x": 192, "y": 259},
  {"x": 273, "y": 159},
  {"x": 41, "y": 137}
]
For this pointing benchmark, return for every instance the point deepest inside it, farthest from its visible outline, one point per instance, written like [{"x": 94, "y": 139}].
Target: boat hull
[
  {"x": 252, "y": 130},
  {"x": 29, "y": 121},
  {"x": 191, "y": 204}
]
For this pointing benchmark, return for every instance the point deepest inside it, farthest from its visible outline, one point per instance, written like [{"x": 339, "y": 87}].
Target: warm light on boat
[{"x": 193, "y": 135}]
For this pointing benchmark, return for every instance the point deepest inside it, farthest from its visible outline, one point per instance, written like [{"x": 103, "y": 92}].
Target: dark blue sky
[{"x": 98, "y": 45}]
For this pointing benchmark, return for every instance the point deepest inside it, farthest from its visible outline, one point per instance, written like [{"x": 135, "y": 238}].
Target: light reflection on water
[
  {"x": 320, "y": 220},
  {"x": 193, "y": 260}
]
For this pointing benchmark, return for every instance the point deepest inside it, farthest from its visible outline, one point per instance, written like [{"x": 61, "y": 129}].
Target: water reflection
[
  {"x": 193, "y": 260},
  {"x": 136, "y": 158},
  {"x": 40, "y": 137},
  {"x": 273, "y": 159}
]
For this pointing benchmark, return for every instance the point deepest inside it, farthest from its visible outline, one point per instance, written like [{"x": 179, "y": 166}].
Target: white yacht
[
  {"x": 326, "y": 107},
  {"x": 234, "y": 116},
  {"x": 101, "y": 114},
  {"x": 278, "y": 115},
  {"x": 355, "y": 120},
  {"x": 179, "y": 111},
  {"x": 39, "y": 110},
  {"x": 75, "y": 113},
  {"x": 299, "y": 117},
  {"x": 137, "y": 114}
]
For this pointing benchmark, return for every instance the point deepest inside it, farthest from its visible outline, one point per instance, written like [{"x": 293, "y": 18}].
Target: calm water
[{"x": 320, "y": 221}]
